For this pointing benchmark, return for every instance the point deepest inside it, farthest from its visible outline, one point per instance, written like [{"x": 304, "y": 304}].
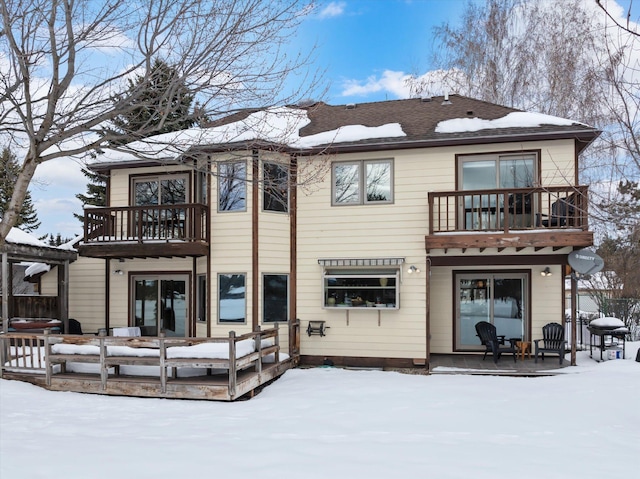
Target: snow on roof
[
  {"x": 17, "y": 236},
  {"x": 518, "y": 119},
  {"x": 36, "y": 268},
  {"x": 279, "y": 125}
]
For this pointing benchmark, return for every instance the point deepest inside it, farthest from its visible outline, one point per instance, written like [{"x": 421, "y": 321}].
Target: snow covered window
[
  {"x": 232, "y": 300},
  {"x": 362, "y": 182}
]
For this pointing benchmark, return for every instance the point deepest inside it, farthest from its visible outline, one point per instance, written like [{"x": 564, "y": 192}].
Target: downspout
[
  {"x": 294, "y": 338},
  {"x": 255, "y": 216},
  {"x": 428, "y": 313}
]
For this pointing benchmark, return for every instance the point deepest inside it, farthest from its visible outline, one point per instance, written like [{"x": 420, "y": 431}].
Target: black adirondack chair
[
  {"x": 552, "y": 341},
  {"x": 493, "y": 343}
]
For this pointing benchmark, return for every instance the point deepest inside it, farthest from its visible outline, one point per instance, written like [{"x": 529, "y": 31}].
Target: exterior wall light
[
  {"x": 546, "y": 272},
  {"x": 412, "y": 269},
  {"x": 118, "y": 271}
]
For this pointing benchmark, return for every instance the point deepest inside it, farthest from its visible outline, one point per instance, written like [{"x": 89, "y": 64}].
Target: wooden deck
[{"x": 146, "y": 367}]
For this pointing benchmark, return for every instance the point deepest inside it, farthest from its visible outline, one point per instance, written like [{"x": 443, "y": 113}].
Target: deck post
[
  {"x": 258, "y": 347},
  {"x": 232, "y": 364},
  {"x": 163, "y": 368},
  {"x": 104, "y": 372},
  {"x": 4, "y": 353},
  {"x": 47, "y": 356}
]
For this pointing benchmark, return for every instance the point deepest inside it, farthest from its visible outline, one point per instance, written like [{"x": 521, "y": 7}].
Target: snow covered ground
[{"x": 330, "y": 423}]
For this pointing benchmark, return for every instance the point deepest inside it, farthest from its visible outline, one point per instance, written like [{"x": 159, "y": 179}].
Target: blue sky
[{"x": 365, "y": 47}]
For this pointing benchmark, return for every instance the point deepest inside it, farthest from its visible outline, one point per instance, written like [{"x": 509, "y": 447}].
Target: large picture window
[
  {"x": 275, "y": 187},
  {"x": 362, "y": 182},
  {"x": 361, "y": 288},
  {"x": 232, "y": 299},
  {"x": 232, "y": 186},
  {"x": 275, "y": 297}
]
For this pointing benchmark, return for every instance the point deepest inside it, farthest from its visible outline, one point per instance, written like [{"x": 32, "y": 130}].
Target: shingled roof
[{"x": 419, "y": 117}]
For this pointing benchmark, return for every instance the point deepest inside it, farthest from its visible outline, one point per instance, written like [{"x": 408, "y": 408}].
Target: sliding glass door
[
  {"x": 499, "y": 298},
  {"x": 160, "y": 304}
]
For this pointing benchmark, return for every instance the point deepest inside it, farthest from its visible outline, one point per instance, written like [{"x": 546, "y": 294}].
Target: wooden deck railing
[
  {"x": 184, "y": 222},
  {"x": 36, "y": 354},
  {"x": 33, "y": 306},
  {"x": 503, "y": 210}
]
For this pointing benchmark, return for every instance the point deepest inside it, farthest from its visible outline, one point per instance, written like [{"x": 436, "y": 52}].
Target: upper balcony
[
  {"x": 146, "y": 231},
  {"x": 554, "y": 216}
]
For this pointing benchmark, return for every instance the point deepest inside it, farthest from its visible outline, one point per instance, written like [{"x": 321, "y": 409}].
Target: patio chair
[
  {"x": 552, "y": 341},
  {"x": 492, "y": 342},
  {"x": 562, "y": 213}
]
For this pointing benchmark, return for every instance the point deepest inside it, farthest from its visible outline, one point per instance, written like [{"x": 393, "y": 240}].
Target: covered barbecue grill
[{"x": 611, "y": 334}]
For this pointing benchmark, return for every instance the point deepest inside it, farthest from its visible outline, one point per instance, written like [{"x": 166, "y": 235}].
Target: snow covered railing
[
  {"x": 22, "y": 352},
  {"x": 52, "y": 353}
]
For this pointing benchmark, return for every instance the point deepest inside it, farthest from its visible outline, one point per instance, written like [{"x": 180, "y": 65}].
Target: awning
[{"x": 331, "y": 262}]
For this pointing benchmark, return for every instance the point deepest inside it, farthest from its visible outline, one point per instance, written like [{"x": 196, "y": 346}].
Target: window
[
  {"x": 485, "y": 210},
  {"x": 232, "y": 186},
  {"x": 154, "y": 194},
  {"x": 362, "y": 182},
  {"x": 500, "y": 298},
  {"x": 275, "y": 187},
  {"x": 164, "y": 190},
  {"x": 483, "y": 172},
  {"x": 361, "y": 288},
  {"x": 232, "y": 304},
  {"x": 275, "y": 297}
]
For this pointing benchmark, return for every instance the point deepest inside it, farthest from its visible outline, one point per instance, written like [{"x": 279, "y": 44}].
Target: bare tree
[
  {"x": 65, "y": 66},
  {"x": 566, "y": 59}
]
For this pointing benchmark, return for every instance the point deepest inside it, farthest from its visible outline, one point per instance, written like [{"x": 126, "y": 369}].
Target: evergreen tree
[
  {"x": 56, "y": 240},
  {"x": 9, "y": 170},
  {"x": 96, "y": 191},
  {"x": 163, "y": 101}
]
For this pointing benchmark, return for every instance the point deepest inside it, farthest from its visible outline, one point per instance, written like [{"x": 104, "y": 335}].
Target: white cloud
[
  {"x": 333, "y": 9},
  {"x": 391, "y": 81}
]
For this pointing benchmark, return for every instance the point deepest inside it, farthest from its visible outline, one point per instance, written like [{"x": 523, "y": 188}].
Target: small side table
[{"x": 523, "y": 347}]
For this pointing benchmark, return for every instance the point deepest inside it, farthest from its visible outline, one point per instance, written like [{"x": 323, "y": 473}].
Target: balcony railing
[
  {"x": 502, "y": 210},
  {"x": 183, "y": 222}
]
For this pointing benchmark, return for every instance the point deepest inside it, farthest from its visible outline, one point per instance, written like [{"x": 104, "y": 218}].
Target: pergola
[{"x": 16, "y": 250}]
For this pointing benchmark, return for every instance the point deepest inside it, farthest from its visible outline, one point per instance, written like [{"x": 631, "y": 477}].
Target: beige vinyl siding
[
  {"x": 231, "y": 248},
  {"x": 398, "y": 230},
  {"x": 86, "y": 291},
  {"x": 367, "y": 231}
]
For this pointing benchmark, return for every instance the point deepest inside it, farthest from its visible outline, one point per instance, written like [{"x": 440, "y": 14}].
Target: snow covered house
[{"x": 388, "y": 229}]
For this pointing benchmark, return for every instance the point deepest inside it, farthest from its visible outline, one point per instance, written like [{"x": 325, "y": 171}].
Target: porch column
[
  {"x": 63, "y": 294},
  {"x": 6, "y": 285},
  {"x": 574, "y": 335}
]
